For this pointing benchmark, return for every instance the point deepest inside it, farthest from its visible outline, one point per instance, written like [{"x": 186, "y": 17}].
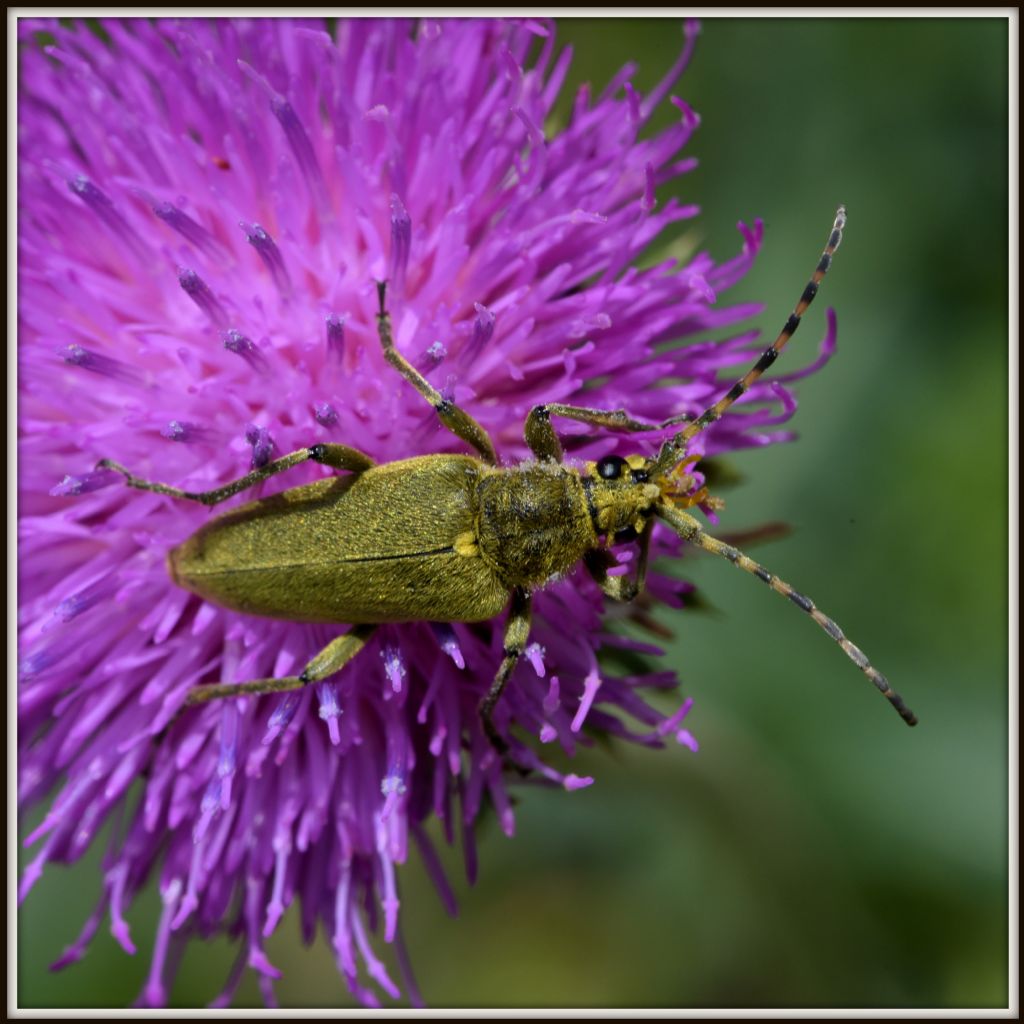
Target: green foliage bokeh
[{"x": 815, "y": 852}]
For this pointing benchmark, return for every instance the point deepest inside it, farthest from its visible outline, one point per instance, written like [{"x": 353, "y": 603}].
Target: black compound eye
[
  {"x": 610, "y": 467},
  {"x": 626, "y": 535}
]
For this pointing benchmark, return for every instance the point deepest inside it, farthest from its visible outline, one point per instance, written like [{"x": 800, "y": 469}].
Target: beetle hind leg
[{"x": 332, "y": 659}]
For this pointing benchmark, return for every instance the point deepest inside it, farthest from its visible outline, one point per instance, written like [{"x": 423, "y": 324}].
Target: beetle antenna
[
  {"x": 675, "y": 448},
  {"x": 690, "y": 530}
]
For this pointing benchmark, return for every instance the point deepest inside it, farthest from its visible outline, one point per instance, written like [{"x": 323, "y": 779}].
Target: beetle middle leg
[
  {"x": 460, "y": 423},
  {"x": 544, "y": 443},
  {"x": 330, "y": 660},
  {"x": 620, "y": 588},
  {"x": 337, "y": 456},
  {"x": 517, "y": 632}
]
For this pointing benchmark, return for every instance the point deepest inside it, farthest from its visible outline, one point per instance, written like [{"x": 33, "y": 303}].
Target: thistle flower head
[{"x": 204, "y": 209}]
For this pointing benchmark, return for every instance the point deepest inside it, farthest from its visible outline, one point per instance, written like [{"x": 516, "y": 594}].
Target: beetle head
[
  {"x": 626, "y": 492},
  {"x": 623, "y": 494}
]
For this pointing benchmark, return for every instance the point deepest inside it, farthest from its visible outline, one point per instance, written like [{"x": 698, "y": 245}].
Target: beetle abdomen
[
  {"x": 441, "y": 586},
  {"x": 393, "y": 544}
]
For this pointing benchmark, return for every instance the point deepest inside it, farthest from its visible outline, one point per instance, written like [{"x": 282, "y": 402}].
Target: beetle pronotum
[{"x": 458, "y": 538}]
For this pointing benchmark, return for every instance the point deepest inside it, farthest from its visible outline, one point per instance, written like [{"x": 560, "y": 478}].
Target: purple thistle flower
[{"x": 148, "y": 319}]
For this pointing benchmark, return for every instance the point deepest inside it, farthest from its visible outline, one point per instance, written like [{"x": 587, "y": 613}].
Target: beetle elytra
[{"x": 457, "y": 538}]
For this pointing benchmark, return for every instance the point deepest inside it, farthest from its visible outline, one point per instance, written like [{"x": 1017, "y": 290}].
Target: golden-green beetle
[{"x": 457, "y": 538}]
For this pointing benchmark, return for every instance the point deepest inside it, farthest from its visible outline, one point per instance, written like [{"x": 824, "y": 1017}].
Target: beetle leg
[
  {"x": 517, "y": 632},
  {"x": 620, "y": 588},
  {"x": 543, "y": 440},
  {"x": 460, "y": 423},
  {"x": 338, "y": 456},
  {"x": 330, "y": 660}
]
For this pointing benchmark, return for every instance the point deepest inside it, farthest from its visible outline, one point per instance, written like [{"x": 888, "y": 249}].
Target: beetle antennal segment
[
  {"x": 690, "y": 530},
  {"x": 674, "y": 449}
]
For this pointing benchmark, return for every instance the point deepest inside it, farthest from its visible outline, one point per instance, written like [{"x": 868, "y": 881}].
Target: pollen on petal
[
  {"x": 432, "y": 357},
  {"x": 401, "y": 243},
  {"x": 335, "y": 336},
  {"x": 188, "y": 228},
  {"x": 591, "y": 685},
  {"x": 95, "y": 362},
  {"x": 394, "y": 667},
  {"x": 236, "y": 342},
  {"x": 185, "y": 432},
  {"x": 281, "y": 716},
  {"x": 73, "y": 486},
  {"x": 534, "y": 654},
  {"x": 329, "y": 710},
  {"x": 393, "y": 788},
  {"x": 483, "y": 330},
  {"x": 107, "y": 213},
  {"x": 269, "y": 253},
  {"x": 199, "y": 292},
  {"x": 262, "y": 445},
  {"x": 302, "y": 148},
  {"x": 552, "y": 701},
  {"x": 325, "y": 413},
  {"x": 449, "y": 643},
  {"x": 81, "y": 601}
]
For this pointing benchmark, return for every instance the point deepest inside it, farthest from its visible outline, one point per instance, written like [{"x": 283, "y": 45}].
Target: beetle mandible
[{"x": 458, "y": 538}]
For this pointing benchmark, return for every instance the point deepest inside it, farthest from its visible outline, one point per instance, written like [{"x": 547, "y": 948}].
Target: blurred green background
[{"x": 815, "y": 852}]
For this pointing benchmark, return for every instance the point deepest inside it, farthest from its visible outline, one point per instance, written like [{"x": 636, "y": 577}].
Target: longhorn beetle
[{"x": 456, "y": 538}]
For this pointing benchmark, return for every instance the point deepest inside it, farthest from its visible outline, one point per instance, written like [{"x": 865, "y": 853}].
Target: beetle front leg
[
  {"x": 337, "y": 456},
  {"x": 517, "y": 632},
  {"x": 460, "y": 423},
  {"x": 333, "y": 658},
  {"x": 620, "y": 588}
]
